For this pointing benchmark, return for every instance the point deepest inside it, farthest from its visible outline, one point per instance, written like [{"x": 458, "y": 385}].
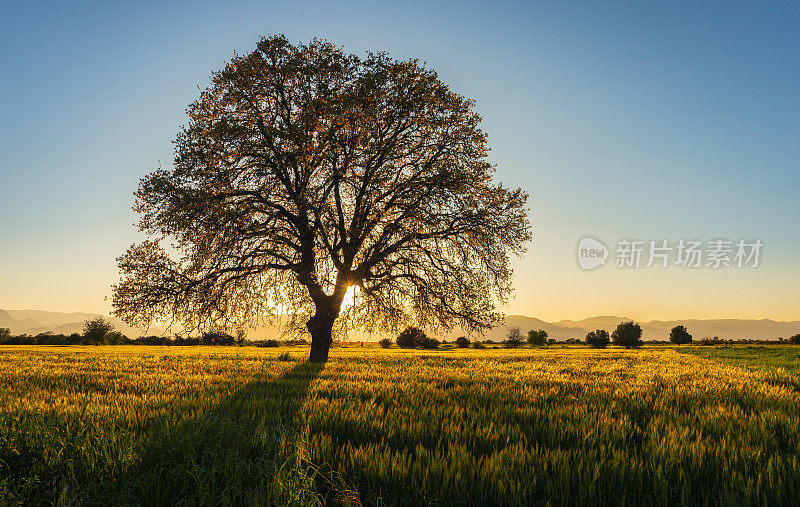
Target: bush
[
  {"x": 430, "y": 343},
  {"x": 478, "y": 345},
  {"x": 5, "y": 334},
  {"x": 795, "y": 339},
  {"x": 115, "y": 338},
  {"x": 462, "y": 342},
  {"x": 270, "y": 343},
  {"x": 680, "y": 336},
  {"x": 628, "y": 334},
  {"x": 217, "y": 338},
  {"x": 537, "y": 337},
  {"x": 95, "y": 330},
  {"x": 514, "y": 337},
  {"x": 153, "y": 340},
  {"x": 189, "y": 340},
  {"x": 598, "y": 338},
  {"x": 385, "y": 343},
  {"x": 411, "y": 337}
]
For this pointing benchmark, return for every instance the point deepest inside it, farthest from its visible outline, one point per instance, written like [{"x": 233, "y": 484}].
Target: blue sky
[{"x": 624, "y": 120}]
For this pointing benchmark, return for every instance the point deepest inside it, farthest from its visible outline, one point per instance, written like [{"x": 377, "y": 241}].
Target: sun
[{"x": 350, "y": 297}]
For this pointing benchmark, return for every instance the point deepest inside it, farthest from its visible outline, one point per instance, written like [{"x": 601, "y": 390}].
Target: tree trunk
[{"x": 321, "y": 327}]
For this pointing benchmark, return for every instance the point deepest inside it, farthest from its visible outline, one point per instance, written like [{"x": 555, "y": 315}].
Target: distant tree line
[
  {"x": 99, "y": 331},
  {"x": 627, "y": 334}
]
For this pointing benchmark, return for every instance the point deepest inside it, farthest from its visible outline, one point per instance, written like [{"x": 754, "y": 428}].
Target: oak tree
[{"x": 304, "y": 171}]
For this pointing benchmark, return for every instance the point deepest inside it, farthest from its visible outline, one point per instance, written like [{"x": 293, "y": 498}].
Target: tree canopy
[{"x": 304, "y": 171}]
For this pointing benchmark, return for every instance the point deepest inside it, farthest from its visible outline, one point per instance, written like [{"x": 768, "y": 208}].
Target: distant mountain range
[{"x": 33, "y": 322}]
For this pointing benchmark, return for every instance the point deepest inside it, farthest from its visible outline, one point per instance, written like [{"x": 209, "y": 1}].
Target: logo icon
[{"x": 591, "y": 253}]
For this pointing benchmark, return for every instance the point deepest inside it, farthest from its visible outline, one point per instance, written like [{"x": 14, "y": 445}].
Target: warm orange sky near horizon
[{"x": 548, "y": 285}]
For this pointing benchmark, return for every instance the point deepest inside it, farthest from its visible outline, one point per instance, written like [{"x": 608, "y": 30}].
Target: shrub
[
  {"x": 5, "y": 334},
  {"x": 270, "y": 343},
  {"x": 115, "y": 338},
  {"x": 537, "y": 337},
  {"x": 95, "y": 330},
  {"x": 430, "y": 343},
  {"x": 189, "y": 340},
  {"x": 478, "y": 345},
  {"x": 217, "y": 338},
  {"x": 514, "y": 337},
  {"x": 598, "y": 338},
  {"x": 680, "y": 336},
  {"x": 462, "y": 342},
  {"x": 411, "y": 337},
  {"x": 795, "y": 339},
  {"x": 628, "y": 334},
  {"x": 153, "y": 340},
  {"x": 385, "y": 343}
]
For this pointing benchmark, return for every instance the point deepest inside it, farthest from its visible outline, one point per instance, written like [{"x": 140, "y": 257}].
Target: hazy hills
[
  {"x": 38, "y": 321},
  {"x": 33, "y": 322}
]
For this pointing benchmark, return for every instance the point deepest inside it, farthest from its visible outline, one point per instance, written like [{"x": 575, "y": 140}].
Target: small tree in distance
[
  {"x": 96, "y": 329},
  {"x": 462, "y": 342},
  {"x": 385, "y": 343},
  {"x": 514, "y": 337},
  {"x": 628, "y": 334},
  {"x": 537, "y": 337},
  {"x": 597, "y": 339},
  {"x": 680, "y": 336}
]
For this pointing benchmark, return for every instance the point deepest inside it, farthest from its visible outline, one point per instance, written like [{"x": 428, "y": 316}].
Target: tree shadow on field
[{"x": 246, "y": 449}]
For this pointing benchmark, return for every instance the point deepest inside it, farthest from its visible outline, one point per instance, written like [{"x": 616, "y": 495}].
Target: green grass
[
  {"x": 566, "y": 425},
  {"x": 764, "y": 357}
]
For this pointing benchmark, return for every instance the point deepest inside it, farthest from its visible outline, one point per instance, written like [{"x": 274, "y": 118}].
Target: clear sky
[{"x": 621, "y": 120}]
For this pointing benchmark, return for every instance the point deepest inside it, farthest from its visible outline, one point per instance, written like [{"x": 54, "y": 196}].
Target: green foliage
[
  {"x": 429, "y": 343},
  {"x": 628, "y": 335},
  {"x": 462, "y": 342},
  {"x": 598, "y": 338},
  {"x": 95, "y": 331},
  {"x": 513, "y": 337},
  {"x": 680, "y": 336},
  {"x": 217, "y": 338},
  {"x": 795, "y": 340},
  {"x": 385, "y": 343},
  {"x": 537, "y": 337},
  {"x": 5, "y": 334},
  {"x": 411, "y": 337}
]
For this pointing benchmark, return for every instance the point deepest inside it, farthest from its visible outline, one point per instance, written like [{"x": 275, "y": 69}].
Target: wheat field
[{"x": 244, "y": 425}]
